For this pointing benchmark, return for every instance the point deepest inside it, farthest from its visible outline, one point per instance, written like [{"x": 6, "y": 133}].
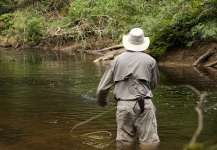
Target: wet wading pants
[{"x": 128, "y": 122}]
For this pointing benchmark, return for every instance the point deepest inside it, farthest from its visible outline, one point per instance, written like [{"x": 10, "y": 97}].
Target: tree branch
[
  {"x": 204, "y": 56},
  {"x": 212, "y": 64},
  {"x": 110, "y": 48},
  {"x": 200, "y": 119},
  {"x": 199, "y": 110}
]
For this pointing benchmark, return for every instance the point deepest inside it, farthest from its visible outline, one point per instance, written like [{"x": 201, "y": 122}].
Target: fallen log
[
  {"x": 212, "y": 64},
  {"x": 209, "y": 53},
  {"x": 109, "y": 56},
  {"x": 93, "y": 52},
  {"x": 110, "y": 48}
]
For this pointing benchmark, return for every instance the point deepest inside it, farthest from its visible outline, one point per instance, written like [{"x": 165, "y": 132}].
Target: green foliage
[
  {"x": 28, "y": 27},
  {"x": 169, "y": 23},
  {"x": 35, "y": 22},
  {"x": 111, "y": 18},
  {"x": 179, "y": 24},
  {"x": 8, "y": 2},
  {"x": 6, "y": 21},
  {"x": 203, "y": 31},
  {"x": 54, "y": 5}
]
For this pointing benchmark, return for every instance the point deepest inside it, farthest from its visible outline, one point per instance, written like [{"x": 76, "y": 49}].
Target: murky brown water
[{"x": 47, "y": 101}]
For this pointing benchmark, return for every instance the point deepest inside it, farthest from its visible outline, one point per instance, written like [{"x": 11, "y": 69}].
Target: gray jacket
[{"x": 132, "y": 74}]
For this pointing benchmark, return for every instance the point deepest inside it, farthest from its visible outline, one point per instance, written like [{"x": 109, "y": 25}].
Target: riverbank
[
  {"x": 167, "y": 23},
  {"x": 177, "y": 57},
  {"x": 188, "y": 56}
]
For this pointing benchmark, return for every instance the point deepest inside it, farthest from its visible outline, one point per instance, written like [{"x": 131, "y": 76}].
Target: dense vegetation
[{"x": 169, "y": 23}]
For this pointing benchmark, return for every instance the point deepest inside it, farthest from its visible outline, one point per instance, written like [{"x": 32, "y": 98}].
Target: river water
[{"x": 47, "y": 102}]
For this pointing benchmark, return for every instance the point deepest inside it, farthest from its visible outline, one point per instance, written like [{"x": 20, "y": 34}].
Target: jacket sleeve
[
  {"x": 104, "y": 86},
  {"x": 155, "y": 77}
]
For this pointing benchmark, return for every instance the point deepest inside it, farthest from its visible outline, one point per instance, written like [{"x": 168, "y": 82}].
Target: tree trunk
[{"x": 110, "y": 48}]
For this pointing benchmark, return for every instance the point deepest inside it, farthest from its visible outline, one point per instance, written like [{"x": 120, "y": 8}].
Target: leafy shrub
[
  {"x": 110, "y": 18},
  {"x": 169, "y": 23},
  {"x": 29, "y": 27},
  {"x": 6, "y": 21},
  {"x": 183, "y": 24}
]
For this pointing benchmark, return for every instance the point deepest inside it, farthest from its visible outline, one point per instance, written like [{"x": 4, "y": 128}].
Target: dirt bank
[
  {"x": 177, "y": 57},
  {"x": 187, "y": 56}
]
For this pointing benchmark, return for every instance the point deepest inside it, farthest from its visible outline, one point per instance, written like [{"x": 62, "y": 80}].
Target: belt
[
  {"x": 135, "y": 99},
  {"x": 140, "y": 100}
]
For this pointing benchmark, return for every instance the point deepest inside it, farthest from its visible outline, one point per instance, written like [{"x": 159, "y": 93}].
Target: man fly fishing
[{"x": 134, "y": 74}]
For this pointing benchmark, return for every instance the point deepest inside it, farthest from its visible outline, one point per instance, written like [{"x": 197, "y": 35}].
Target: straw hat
[{"x": 135, "y": 40}]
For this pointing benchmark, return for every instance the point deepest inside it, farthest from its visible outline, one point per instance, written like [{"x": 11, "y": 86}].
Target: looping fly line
[{"x": 96, "y": 139}]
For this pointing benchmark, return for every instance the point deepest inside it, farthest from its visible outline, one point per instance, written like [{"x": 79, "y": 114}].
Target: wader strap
[{"x": 141, "y": 101}]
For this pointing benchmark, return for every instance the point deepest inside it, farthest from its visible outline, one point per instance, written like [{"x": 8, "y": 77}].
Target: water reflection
[
  {"x": 47, "y": 101},
  {"x": 200, "y": 109}
]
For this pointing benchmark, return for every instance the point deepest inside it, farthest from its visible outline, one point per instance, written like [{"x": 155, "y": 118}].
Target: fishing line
[
  {"x": 94, "y": 141},
  {"x": 97, "y": 132},
  {"x": 90, "y": 119},
  {"x": 97, "y": 141}
]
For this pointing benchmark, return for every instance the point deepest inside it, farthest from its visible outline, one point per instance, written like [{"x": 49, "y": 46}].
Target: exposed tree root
[
  {"x": 209, "y": 53},
  {"x": 212, "y": 64}
]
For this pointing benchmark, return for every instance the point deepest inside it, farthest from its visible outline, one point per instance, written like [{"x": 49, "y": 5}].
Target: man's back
[
  {"x": 133, "y": 74},
  {"x": 137, "y": 64}
]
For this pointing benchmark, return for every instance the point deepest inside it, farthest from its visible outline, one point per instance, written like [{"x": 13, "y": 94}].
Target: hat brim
[{"x": 134, "y": 47}]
